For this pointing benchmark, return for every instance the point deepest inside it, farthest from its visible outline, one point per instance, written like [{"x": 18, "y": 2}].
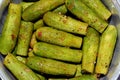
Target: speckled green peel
[
  {"x": 61, "y": 10},
  {"x": 25, "y": 5},
  {"x": 56, "y": 52},
  {"x": 58, "y": 37},
  {"x": 19, "y": 69},
  {"x": 80, "y": 10},
  {"x": 36, "y": 10},
  {"x": 65, "y": 23},
  {"x": 49, "y": 66},
  {"x": 107, "y": 44},
  {"x": 10, "y": 29},
  {"x": 90, "y": 50},
  {"x": 23, "y": 60},
  {"x": 25, "y": 34},
  {"x": 98, "y": 7}
]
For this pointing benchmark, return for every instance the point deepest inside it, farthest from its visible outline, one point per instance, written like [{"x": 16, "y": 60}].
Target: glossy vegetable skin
[
  {"x": 58, "y": 40},
  {"x": 98, "y": 7},
  {"x": 62, "y": 38},
  {"x": 49, "y": 66},
  {"x": 106, "y": 48},
  {"x": 10, "y": 29},
  {"x": 56, "y": 52},
  {"x": 90, "y": 50},
  {"x": 25, "y": 34},
  {"x": 19, "y": 69},
  {"x": 65, "y": 23},
  {"x": 36, "y": 10},
  {"x": 23, "y": 60},
  {"x": 83, "y": 12},
  {"x": 25, "y": 5}
]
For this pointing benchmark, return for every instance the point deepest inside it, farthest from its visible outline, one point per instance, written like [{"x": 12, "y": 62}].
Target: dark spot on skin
[
  {"x": 110, "y": 58},
  {"x": 71, "y": 5},
  {"x": 86, "y": 12},
  {"x": 56, "y": 33},
  {"x": 8, "y": 61},
  {"x": 95, "y": 20},
  {"x": 80, "y": 29},
  {"x": 62, "y": 39},
  {"x": 21, "y": 36},
  {"x": 21, "y": 26},
  {"x": 21, "y": 72},
  {"x": 106, "y": 66},
  {"x": 13, "y": 37},
  {"x": 110, "y": 45},
  {"x": 102, "y": 27},
  {"x": 64, "y": 20},
  {"x": 14, "y": 12},
  {"x": 73, "y": 30},
  {"x": 39, "y": 34}
]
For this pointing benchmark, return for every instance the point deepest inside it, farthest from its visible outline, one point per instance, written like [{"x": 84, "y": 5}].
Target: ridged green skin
[
  {"x": 33, "y": 40},
  {"x": 36, "y": 10},
  {"x": 90, "y": 50},
  {"x": 65, "y": 23},
  {"x": 107, "y": 45},
  {"x": 98, "y": 7},
  {"x": 19, "y": 69},
  {"x": 49, "y": 66},
  {"x": 25, "y": 34},
  {"x": 54, "y": 36},
  {"x": 25, "y": 5},
  {"x": 83, "y": 77},
  {"x": 80, "y": 10},
  {"x": 56, "y": 52},
  {"x": 38, "y": 24},
  {"x": 10, "y": 29},
  {"x": 62, "y": 10}
]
